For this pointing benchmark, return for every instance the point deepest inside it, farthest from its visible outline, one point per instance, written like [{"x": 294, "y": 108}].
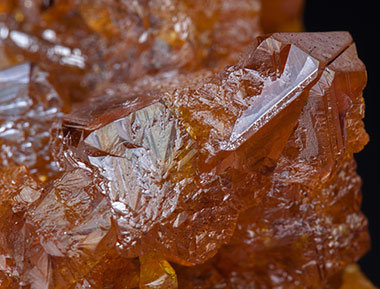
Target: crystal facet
[
  {"x": 29, "y": 109},
  {"x": 86, "y": 43},
  {"x": 170, "y": 144}
]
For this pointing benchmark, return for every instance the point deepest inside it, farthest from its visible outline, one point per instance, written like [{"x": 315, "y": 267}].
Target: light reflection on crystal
[
  {"x": 29, "y": 107},
  {"x": 300, "y": 70},
  {"x": 142, "y": 149},
  {"x": 146, "y": 179}
]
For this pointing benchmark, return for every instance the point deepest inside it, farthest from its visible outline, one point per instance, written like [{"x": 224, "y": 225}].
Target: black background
[{"x": 360, "y": 19}]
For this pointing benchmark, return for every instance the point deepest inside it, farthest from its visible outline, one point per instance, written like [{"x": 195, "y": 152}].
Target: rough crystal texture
[
  {"x": 177, "y": 161},
  {"x": 29, "y": 108},
  {"x": 84, "y": 44},
  {"x": 175, "y": 170}
]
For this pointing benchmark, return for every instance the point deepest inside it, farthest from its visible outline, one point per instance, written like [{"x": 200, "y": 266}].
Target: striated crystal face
[
  {"x": 161, "y": 144},
  {"x": 87, "y": 43},
  {"x": 146, "y": 156},
  {"x": 29, "y": 108},
  {"x": 149, "y": 164},
  {"x": 177, "y": 163}
]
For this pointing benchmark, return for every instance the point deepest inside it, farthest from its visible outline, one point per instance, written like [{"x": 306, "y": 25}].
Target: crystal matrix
[
  {"x": 85, "y": 44},
  {"x": 169, "y": 159}
]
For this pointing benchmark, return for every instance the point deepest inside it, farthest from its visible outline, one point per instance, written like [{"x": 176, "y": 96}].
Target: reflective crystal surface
[
  {"x": 170, "y": 144},
  {"x": 29, "y": 108},
  {"x": 85, "y": 44},
  {"x": 177, "y": 162}
]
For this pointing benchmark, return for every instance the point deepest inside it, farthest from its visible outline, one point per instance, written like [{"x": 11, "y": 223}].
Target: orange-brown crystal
[
  {"x": 170, "y": 144},
  {"x": 84, "y": 44},
  {"x": 353, "y": 278}
]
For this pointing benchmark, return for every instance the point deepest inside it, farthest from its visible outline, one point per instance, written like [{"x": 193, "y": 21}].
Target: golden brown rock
[
  {"x": 84, "y": 44},
  {"x": 175, "y": 170},
  {"x": 349, "y": 278},
  {"x": 156, "y": 272},
  {"x": 353, "y": 278},
  {"x": 203, "y": 142}
]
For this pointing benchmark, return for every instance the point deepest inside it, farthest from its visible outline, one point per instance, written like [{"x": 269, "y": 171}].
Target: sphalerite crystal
[{"x": 171, "y": 144}]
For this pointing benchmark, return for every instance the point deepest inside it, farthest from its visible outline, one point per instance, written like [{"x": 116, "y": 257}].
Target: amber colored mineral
[
  {"x": 84, "y": 44},
  {"x": 352, "y": 278},
  {"x": 161, "y": 144}
]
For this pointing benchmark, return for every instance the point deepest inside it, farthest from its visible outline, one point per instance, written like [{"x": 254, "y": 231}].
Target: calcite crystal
[
  {"x": 29, "y": 107},
  {"x": 160, "y": 144},
  {"x": 84, "y": 44}
]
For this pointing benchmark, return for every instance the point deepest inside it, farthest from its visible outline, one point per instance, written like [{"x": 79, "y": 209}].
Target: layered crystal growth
[
  {"x": 86, "y": 43},
  {"x": 159, "y": 144},
  {"x": 29, "y": 108}
]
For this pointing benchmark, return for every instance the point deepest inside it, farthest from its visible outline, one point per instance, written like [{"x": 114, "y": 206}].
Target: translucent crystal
[
  {"x": 87, "y": 43},
  {"x": 352, "y": 278},
  {"x": 29, "y": 108},
  {"x": 172, "y": 166},
  {"x": 191, "y": 154},
  {"x": 156, "y": 273}
]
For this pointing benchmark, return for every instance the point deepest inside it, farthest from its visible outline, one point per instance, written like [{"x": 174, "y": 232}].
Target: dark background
[{"x": 360, "y": 19}]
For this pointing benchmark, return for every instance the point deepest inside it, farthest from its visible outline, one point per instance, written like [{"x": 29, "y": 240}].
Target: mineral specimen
[
  {"x": 141, "y": 149},
  {"x": 84, "y": 44}
]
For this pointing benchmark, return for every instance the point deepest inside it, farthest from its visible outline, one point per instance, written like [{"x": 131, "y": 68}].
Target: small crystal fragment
[
  {"x": 156, "y": 272},
  {"x": 349, "y": 278},
  {"x": 353, "y": 278}
]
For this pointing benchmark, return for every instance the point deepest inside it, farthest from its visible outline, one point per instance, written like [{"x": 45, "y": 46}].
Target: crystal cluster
[
  {"x": 172, "y": 144},
  {"x": 85, "y": 43}
]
